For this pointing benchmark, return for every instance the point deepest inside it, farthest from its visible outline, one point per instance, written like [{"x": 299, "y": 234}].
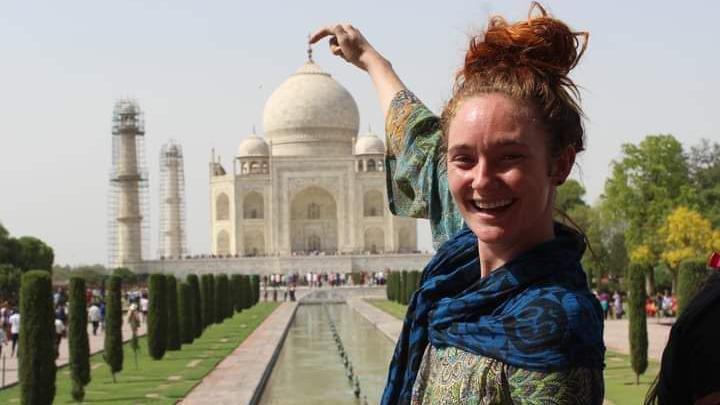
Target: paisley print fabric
[
  {"x": 453, "y": 376},
  {"x": 534, "y": 313},
  {"x": 416, "y": 173}
]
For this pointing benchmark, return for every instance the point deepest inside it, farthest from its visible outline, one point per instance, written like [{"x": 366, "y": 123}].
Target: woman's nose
[{"x": 482, "y": 175}]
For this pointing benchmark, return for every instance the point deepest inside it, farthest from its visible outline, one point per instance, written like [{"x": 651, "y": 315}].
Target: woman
[{"x": 503, "y": 313}]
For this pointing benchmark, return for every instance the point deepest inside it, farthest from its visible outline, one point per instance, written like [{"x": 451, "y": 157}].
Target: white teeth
[{"x": 483, "y": 205}]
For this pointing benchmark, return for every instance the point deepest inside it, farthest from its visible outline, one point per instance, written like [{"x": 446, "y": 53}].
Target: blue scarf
[{"x": 535, "y": 312}]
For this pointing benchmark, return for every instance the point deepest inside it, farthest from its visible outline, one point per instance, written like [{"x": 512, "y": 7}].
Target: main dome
[{"x": 310, "y": 114}]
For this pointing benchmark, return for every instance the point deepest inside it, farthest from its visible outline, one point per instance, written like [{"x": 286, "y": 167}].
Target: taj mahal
[{"x": 308, "y": 194}]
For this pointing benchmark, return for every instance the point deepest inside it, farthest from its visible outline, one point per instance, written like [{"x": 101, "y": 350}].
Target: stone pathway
[
  {"x": 96, "y": 345},
  {"x": 239, "y": 377},
  {"x": 616, "y": 336}
]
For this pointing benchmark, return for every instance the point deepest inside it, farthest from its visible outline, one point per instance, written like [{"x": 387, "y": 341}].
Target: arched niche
[
  {"x": 253, "y": 206},
  {"x": 374, "y": 240},
  {"x": 222, "y": 247},
  {"x": 373, "y": 204},
  {"x": 370, "y": 165},
  {"x": 222, "y": 207},
  {"x": 254, "y": 243},
  {"x": 313, "y": 221},
  {"x": 406, "y": 240}
]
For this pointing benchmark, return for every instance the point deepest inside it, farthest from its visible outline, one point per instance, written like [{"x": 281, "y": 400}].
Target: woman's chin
[{"x": 490, "y": 234}]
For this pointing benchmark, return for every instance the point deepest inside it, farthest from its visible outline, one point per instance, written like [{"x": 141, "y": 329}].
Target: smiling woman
[{"x": 503, "y": 313}]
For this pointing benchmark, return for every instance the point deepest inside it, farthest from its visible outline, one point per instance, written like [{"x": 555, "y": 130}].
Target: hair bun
[{"x": 542, "y": 43}]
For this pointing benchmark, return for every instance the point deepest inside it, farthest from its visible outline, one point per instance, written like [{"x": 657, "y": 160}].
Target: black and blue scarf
[{"x": 535, "y": 312}]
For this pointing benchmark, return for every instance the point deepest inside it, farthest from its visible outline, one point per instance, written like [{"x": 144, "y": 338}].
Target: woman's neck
[{"x": 495, "y": 255}]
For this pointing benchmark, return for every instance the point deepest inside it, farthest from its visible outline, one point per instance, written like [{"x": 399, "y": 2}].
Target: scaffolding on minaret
[
  {"x": 172, "y": 241},
  {"x": 128, "y": 197}
]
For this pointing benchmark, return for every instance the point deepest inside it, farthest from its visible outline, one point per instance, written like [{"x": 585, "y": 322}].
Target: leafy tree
[
  {"x": 36, "y": 357},
  {"x": 638, "y": 322},
  {"x": 196, "y": 305},
  {"x": 113, "y": 349},
  {"x": 704, "y": 164},
  {"x": 35, "y": 254},
  {"x": 187, "y": 327},
  {"x": 78, "y": 339},
  {"x": 157, "y": 317},
  {"x": 9, "y": 282},
  {"x": 173, "y": 321},
  {"x": 650, "y": 179},
  {"x": 691, "y": 277},
  {"x": 126, "y": 275},
  {"x": 569, "y": 195},
  {"x": 685, "y": 235}
]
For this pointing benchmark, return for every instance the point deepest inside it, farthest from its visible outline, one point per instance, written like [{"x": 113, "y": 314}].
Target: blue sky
[{"x": 202, "y": 71}]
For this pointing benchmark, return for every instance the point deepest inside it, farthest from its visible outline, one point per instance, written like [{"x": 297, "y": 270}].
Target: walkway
[
  {"x": 616, "y": 336},
  {"x": 239, "y": 377},
  {"x": 96, "y": 345}
]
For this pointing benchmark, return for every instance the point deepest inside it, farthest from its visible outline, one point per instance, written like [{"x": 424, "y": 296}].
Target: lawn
[
  {"x": 620, "y": 388},
  {"x": 159, "y": 381}
]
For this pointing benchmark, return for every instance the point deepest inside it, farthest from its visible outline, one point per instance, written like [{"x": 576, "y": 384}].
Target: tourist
[
  {"x": 59, "y": 333},
  {"x": 14, "y": 330},
  {"x": 3, "y": 340},
  {"x": 94, "y": 317},
  {"x": 503, "y": 313},
  {"x": 144, "y": 306},
  {"x": 691, "y": 359},
  {"x": 617, "y": 305}
]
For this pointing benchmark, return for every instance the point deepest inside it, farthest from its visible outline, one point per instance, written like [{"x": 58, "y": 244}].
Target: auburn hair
[{"x": 528, "y": 61}]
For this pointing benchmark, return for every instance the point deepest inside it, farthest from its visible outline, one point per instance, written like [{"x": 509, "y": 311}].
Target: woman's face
[{"x": 500, "y": 172}]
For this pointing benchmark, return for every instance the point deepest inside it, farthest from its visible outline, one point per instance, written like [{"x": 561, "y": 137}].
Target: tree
[
  {"x": 685, "y": 235},
  {"x": 173, "y": 321},
  {"x": 187, "y": 328},
  {"x": 9, "y": 282},
  {"x": 236, "y": 290},
  {"x": 255, "y": 283},
  {"x": 36, "y": 357},
  {"x": 569, "y": 195},
  {"x": 78, "y": 343},
  {"x": 638, "y": 322},
  {"x": 126, "y": 275},
  {"x": 196, "y": 305},
  {"x": 35, "y": 254},
  {"x": 404, "y": 287},
  {"x": 113, "y": 350},
  {"x": 691, "y": 277},
  {"x": 246, "y": 292},
  {"x": 650, "y": 179},
  {"x": 221, "y": 298},
  {"x": 157, "y": 317},
  {"x": 704, "y": 165},
  {"x": 208, "y": 300}
]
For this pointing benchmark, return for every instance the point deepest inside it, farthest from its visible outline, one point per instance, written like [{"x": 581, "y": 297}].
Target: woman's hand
[{"x": 348, "y": 43}]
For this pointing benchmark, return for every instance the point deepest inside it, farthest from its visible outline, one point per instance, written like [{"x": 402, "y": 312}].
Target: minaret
[
  {"x": 128, "y": 186},
  {"x": 172, "y": 202}
]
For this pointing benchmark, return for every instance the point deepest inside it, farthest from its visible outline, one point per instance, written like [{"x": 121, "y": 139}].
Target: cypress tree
[
  {"x": 398, "y": 287},
  {"x": 255, "y": 288},
  {"x": 207, "y": 301},
  {"x": 36, "y": 356},
  {"x": 691, "y": 276},
  {"x": 173, "y": 322},
  {"x": 388, "y": 287},
  {"x": 195, "y": 304},
  {"x": 187, "y": 329},
  {"x": 236, "y": 292},
  {"x": 636, "y": 316},
  {"x": 212, "y": 316},
  {"x": 78, "y": 338},
  {"x": 403, "y": 287},
  {"x": 157, "y": 317},
  {"x": 113, "y": 349},
  {"x": 220, "y": 298},
  {"x": 246, "y": 293}
]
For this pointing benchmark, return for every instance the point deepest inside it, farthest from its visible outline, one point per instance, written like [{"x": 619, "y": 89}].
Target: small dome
[
  {"x": 310, "y": 114},
  {"x": 369, "y": 144},
  {"x": 253, "y": 145}
]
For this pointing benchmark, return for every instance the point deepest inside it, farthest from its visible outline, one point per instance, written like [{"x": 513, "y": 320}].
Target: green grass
[
  {"x": 620, "y": 388},
  {"x": 159, "y": 381}
]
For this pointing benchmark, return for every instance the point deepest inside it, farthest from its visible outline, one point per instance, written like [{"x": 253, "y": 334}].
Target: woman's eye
[{"x": 512, "y": 157}]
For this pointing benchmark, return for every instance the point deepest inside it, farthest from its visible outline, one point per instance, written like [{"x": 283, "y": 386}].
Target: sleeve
[
  {"x": 416, "y": 173},
  {"x": 576, "y": 386}
]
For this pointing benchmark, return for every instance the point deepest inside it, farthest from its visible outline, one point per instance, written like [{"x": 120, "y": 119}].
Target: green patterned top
[
  {"x": 415, "y": 167},
  {"x": 453, "y": 376},
  {"x": 417, "y": 187}
]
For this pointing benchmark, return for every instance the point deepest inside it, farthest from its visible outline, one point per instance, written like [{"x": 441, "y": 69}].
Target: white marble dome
[
  {"x": 253, "y": 146},
  {"x": 310, "y": 114},
  {"x": 369, "y": 144}
]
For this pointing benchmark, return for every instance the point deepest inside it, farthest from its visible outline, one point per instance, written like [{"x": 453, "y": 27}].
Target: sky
[{"x": 202, "y": 71}]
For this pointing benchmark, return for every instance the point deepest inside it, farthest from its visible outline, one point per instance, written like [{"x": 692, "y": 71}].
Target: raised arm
[{"x": 348, "y": 43}]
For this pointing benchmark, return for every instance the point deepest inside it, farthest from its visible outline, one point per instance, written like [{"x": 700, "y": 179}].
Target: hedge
[{"x": 157, "y": 317}]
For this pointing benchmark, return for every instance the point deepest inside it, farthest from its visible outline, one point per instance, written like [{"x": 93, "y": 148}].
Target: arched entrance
[{"x": 313, "y": 222}]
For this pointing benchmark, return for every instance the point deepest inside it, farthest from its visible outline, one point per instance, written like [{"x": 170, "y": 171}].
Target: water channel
[{"x": 310, "y": 370}]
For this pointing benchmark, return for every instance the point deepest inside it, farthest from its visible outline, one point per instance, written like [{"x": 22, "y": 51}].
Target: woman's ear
[{"x": 562, "y": 165}]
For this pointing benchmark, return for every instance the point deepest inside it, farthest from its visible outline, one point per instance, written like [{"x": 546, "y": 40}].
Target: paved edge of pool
[
  {"x": 384, "y": 322},
  {"x": 241, "y": 376}
]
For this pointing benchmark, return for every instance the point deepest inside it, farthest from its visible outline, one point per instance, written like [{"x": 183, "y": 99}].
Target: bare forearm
[{"x": 386, "y": 81}]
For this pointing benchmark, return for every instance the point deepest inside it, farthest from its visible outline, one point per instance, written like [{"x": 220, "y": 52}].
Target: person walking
[
  {"x": 14, "y": 330},
  {"x": 503, "y": 313},
  {"x": 94, "y": 317},
  {"x": 59, "y": 334}
]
